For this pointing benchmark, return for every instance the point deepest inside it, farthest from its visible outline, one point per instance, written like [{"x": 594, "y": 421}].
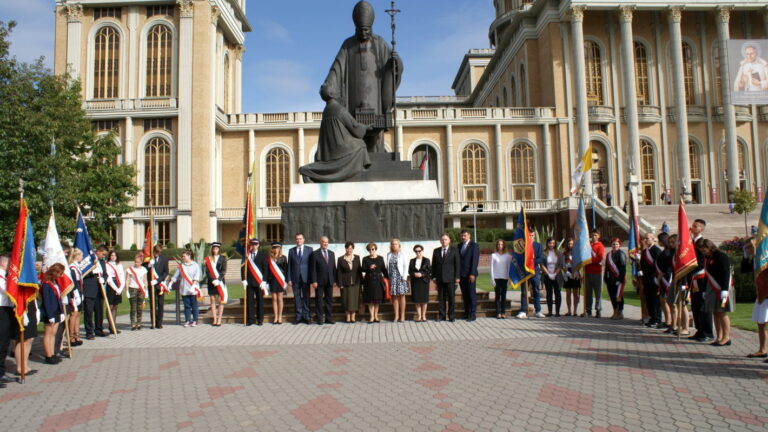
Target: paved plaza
[{"x": 555, "y": 374}]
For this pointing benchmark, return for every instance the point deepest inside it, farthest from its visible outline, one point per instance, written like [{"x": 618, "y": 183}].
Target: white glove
[
  {"x": 78, "y": 299},
  {"x": 62, "y": 317},
  {"x": 97, "y": 270},
  {"x": 101, "y": 280},
  {"x": 52, "y": 320},
  {"x": 25, "y": 320},
  {"x": 723, "y": 295},
  {"x": 684, "y": 287},
  {"x": 245, "y": 284},
  {"x": 154, "y": 282},
  {"x": 264, "y": 285},
  {"x": 128, "y": 293},
  {"x": 568, "y": 274},
  {"x": 640, "y": 273},
  {"x": 493, "y": 283},
  {"x": 216, "y": 283}
]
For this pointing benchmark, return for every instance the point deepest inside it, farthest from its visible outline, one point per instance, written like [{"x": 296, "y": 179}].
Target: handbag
[{"x": 385, "y": 285}]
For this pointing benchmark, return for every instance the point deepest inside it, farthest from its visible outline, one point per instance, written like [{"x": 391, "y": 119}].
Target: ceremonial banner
[
  {"x": 22, "y": 285},
  {"x": 761, "y": 255},
  {"x": 685, "y": 256},
  {"x": 584, "y": 165},
  {"x": 748, "y": 71},
  {"x": 249, "y": 228},
  {"x": 522, "y": 265},
  {"x": 148, "y": 241},
  {"x": 634, "y": 235},
  {"x": 83, "y": 242},
  {"x": 53, "y": 253},
  {"x": 582, "y": 250}
]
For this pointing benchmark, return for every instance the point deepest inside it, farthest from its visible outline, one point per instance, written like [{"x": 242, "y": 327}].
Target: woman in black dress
[
  {"x": 419, "y": 273},
  {"x": 277, "y": 268},
  {"x": 373, "y": 283},
  {"x": 348, "y": 273}
]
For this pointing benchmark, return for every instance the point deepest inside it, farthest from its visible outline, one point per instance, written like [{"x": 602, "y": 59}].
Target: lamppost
[{"x": 475, "y": 211}]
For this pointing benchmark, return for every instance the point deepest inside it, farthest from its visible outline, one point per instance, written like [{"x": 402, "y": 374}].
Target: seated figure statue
[{"x": 341, "y": 151}]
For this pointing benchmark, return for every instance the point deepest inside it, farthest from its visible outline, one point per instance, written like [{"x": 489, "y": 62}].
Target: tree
[
  {"x": 41, "y": 111},
  {"x": 744, "y": 203}
]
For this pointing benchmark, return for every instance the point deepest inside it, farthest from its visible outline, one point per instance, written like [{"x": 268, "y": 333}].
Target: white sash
[
  {"x": 211, "y": 266},
  {"x": 189, "y": 282},
  {"x": 116, "y": 275},
  {"x": 254, "y": 270},
  {"x": 277, "y": 273},
  {"x": 612, "y": 267},
  {"x": 138, "y": 282}
]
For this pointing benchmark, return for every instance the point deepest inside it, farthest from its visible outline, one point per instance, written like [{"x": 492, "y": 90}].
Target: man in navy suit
[
  {"x": 470, "y": 255},
  {"x": 445, "y": 272},
  {"x": 533, "y": 284},
  {"x": 298, "y": 278},
  {"x": 322, "y": 278}
]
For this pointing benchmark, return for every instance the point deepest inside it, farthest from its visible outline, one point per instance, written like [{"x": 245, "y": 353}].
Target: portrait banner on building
[{"x": 749, "y": 71}]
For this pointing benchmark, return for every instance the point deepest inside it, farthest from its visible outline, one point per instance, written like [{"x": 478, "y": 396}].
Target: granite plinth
[{"x": 372, "y": 190}]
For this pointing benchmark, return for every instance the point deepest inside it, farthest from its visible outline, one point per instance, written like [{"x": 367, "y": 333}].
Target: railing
[
  {"x": 129, "y": 104},
  {"x": 236, "y": 213},
  {"x": 144, "y": 212},
  {"x": 645, "y": 114},
  {"x": 419, "y": 114},
  {"x": 696, "y": 113},
  {"x": 599, "y": 113},
  {"x": 432, "y": 99},
  {"x": 743, "y": 113}
]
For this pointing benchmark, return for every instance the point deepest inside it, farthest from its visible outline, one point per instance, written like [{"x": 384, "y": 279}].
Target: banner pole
[
  {"x": 110, "y": 318},
  {"x": 69, "y": 337},
  {"x": 23, "y": 360}
]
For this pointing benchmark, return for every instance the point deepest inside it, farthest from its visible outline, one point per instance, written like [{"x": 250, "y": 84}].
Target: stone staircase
[{"x": 721, "y": 225}]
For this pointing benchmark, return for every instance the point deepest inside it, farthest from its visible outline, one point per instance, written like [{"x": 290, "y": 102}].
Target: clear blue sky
[{"x": 293, "y": 43}]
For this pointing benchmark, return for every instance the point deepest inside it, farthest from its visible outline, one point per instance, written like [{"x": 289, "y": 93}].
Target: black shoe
[
  {"x": 101, "y": 334},
  {"x": 452, "y": 320},
  {"x": 62, "y": 355},
  {"x": 52, "y": 360},
  {"x": 260, "y": 324},
  {"x": 695, "y": 336},
  {"x": 705, "y": 339},
  {"x": 319, "y": 323},
  {"x": 471, "y": 320},
  {"x": 598, "y": 315},
  {"x": 159, "y": 326},
  {"x": 248, "y": 324},
  {"x": 6, "y": 379},
  {"x": 330, "y": 321},
  {"x": 90, "y": 337}
]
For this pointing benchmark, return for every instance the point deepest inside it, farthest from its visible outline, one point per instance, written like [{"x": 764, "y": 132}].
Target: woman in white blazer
[{"x": 397, "y": 269}]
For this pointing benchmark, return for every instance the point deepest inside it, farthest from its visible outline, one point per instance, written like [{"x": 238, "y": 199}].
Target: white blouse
[{"x": 500, "y": 265}]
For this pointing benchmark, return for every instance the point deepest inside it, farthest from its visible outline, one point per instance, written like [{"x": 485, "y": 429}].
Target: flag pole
[
  {"x": 110, "y": 318},
  {"x": 23, "y": 359},
  {"x": 69, "y": 337},
  {"x": 153, "y": 322}
]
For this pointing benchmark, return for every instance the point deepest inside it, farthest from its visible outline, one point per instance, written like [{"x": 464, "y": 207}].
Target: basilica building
[{"x": 640, "y": 83}]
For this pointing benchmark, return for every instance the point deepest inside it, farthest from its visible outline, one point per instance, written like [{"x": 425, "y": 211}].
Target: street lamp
[{"x": 475, "y": 211}]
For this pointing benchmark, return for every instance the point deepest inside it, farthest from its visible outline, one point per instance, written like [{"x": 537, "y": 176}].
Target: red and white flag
[{"x": 53, "y": 253}]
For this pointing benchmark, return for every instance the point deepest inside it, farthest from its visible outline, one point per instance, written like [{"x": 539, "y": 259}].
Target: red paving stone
[
  {"x": 566, "y": 399},
  {"x": 340, "y": 361},
  {"x": 258, "y": 355},
  {"x": 440, "y": 396},
  {"x": 436, "y": 384},
  {"x": 448, "y": 415},
  {"x": 429, "y": 367},
  {"x": 148, "y": 378},
  {"x": 74, "y": 417},
  {"x": 248, "y": 372},
  {"x": 616, "y": 429},
  {"x": 742, "y": 416},
  {"x": 329, "y": 385},
  {"x": 444, "y": 405},
  {"x": 219, "y": 392},
  {"x": 17, "y": 395},
  {"x": 205, "y": 405},
  {"x": 170, "y": 364},
  {"x": 64, "y": 378},
  {"x": 318, "y": 412},
  {"x": 195, "y": 414},
  {"x": 126, "y": 391},
  {"x": 511, "y": 354},
  {"x": 184, "y": 424},
  {"x": 104, "y": 357},
  {"x": 681, "y": 389},
  {"x": 455, "y": 427},
  {"x": 423, "y": 349},
  {"x": 702, "y": 399}
]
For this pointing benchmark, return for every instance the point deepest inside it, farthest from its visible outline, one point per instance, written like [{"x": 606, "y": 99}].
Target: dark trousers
[
  {"x": 652, "y": 302},
  {"x": 533, "y": 285},
  {"x": 469, "y": 297},
  {"x": 702, "y": 320},
  {"x": 159, "y": 305},
  {"x": 254, "y": 299},
  {"x": 501, "y": 295},
  {"x": 446, "y": 293},
  {"x": 301, "y": 299},
  {"x": 324, "y": 302},
  {"x": 613, "y": 293},
  {"x": 553, "y": 293},
  {"x": 61, "y": 332},
  {"x": 6, "y": 317},
  {"x": 93, "y": 307}
]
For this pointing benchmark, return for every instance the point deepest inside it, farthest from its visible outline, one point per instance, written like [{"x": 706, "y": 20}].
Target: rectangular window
[
  {"x": 274, "y": 233},
  {"x": 162, "y": 123},
  {"x": 106, "y": 126},
  {"x": 162, "y": 233},
  {"x": 107, "y": 12},
  {"x": 474, "y": 194},
  {"x": 166, "y": 10}
]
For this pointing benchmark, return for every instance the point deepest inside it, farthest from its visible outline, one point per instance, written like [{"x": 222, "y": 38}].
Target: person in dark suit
[
  {"x": 157, "y": 279},
  {"x": 648, "y": 274},
  {"x": 535, "y": 282},
  {"x": 702, "y": 319},
  {"x": 298, "y": 278},
  {"x": 446, "y": 272},
  {"x": 322, "y": 278},
  {"x": 419, "y": 275},
  {"x": 253, "y": 275},
  {"x": 470, "y": 256},
  {"x": 51, "y": 311},
  {"x": 349, "y": 277},
  {"x": 94, "y": 296}
]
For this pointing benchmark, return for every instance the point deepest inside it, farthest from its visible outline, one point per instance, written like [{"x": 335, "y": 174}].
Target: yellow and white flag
[{"x": 584, "y": 165}]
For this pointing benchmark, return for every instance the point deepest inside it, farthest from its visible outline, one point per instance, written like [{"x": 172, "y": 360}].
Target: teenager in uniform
[
  {"x": 215, "y": 269},
  {"x": 616, "y": 277},
  {"x": 720, "y": 297},
  {"x": 277, "y": 267},
  {"x": 157, "y": 269},
  {"x": 253, "y": 274},
  {"x": 188, "y": 274},
  {"x": 648, "y": 274},
  {"x": 115, "y": 283},
  {"x": 51, "y": 312},
  {"x": 136, "y": 281}
]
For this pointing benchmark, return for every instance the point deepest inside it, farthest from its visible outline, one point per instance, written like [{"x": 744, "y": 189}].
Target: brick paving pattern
[{"x": 566, "y": 374}]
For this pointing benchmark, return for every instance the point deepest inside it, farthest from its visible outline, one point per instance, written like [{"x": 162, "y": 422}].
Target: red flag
[
  {"x": 530, "y": 265},
  {"x": 685, "y": 256},
  {"x": 147, "y": 250},
  {"x": 22, "y": 285}
]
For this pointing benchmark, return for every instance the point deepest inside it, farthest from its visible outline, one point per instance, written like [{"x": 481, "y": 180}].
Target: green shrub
[{"x": 745, "y": 282}]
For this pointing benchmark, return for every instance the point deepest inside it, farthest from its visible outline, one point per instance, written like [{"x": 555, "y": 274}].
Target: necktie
[
  {"x": 253, "y": 257},
  {"x": 300, "y": 249},
  {"x": 445, "y": 251},
  {"x": 325, "y": 256}
]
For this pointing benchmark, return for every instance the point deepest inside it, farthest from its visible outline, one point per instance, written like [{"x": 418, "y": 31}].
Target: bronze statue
[{"x": 366, "y": 73}]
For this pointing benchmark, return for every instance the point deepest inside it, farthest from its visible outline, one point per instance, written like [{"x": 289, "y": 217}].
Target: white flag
[{"x": 52, "y": 251}]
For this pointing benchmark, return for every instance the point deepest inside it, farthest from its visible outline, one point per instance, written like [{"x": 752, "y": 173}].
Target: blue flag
[
  {"x": 582, "y": 250},
  {"x": 521, "y": 268},
  {"x": 83, "y": 242},
  {"x": 761, "y": 255}
]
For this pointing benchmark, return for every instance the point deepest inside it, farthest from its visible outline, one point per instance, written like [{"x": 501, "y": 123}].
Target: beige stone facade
[{"x": 510, "y": 136}]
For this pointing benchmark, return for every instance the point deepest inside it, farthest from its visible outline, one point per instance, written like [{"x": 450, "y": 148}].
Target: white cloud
[
  {"x": 273, "y": 31},
  {"x": 34, "y": 33}
]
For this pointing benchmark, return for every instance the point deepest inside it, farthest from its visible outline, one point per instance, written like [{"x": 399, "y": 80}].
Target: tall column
[
  {"x": 239, "y": 78},
  {"x": 630, "y": 99},
  {"x": 449, "y": 196},
  {"x": 399, "y": 140},
  {"x": 546, "y": 148},
  {"x": 678, "y": 82},
  {"x": 499, "y": 162},
  {"x": 723, "y": 15},
  {"x": 580, "y": 76},
  {"x": 184, "y": 144},
  {"x": 127, "y": 225},
  {"x": 216, "y": 71},
  {"x": 133, "y": 19},
  {"x": 74, "y": 28},
  {"x": 765, "y": 23},
  {"x": 252, "y": 147},
  {"x": 300, "y": 155}
]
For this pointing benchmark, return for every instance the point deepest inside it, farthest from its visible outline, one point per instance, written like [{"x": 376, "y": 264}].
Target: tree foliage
[
  {"x": 40, "y": 111},
  {"x": 744, "y": 202}
]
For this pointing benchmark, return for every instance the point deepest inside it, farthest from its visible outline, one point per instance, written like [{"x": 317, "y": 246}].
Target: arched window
[
  {"x": 473, "y": 172},
  {"x": 717, "y": 76},
  {"x": 278, "y": 177},
  {"x": 600, "y": 169},
  {"x": 688, "y": 79},
  {"x": 592, "y": 61},
  {"x": 512, "y": 91},
  {"x": 641, "y": 74},
  {"x": 428, "y": 165},
  {"x": 741, "y": 160},
  {"x": 523, "y": 88},
  {"x": 106, "y": 64},
  {"x": 157, "y": 173},
  {"x": 159, "y": 61},
  {"x": 694, "y": 158},
  {"x": 505, "y": 96},
  {"x": 522, "y": 172},
  {"x": 646, "y": 161},
  {"x": 226, "y": 83}
]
